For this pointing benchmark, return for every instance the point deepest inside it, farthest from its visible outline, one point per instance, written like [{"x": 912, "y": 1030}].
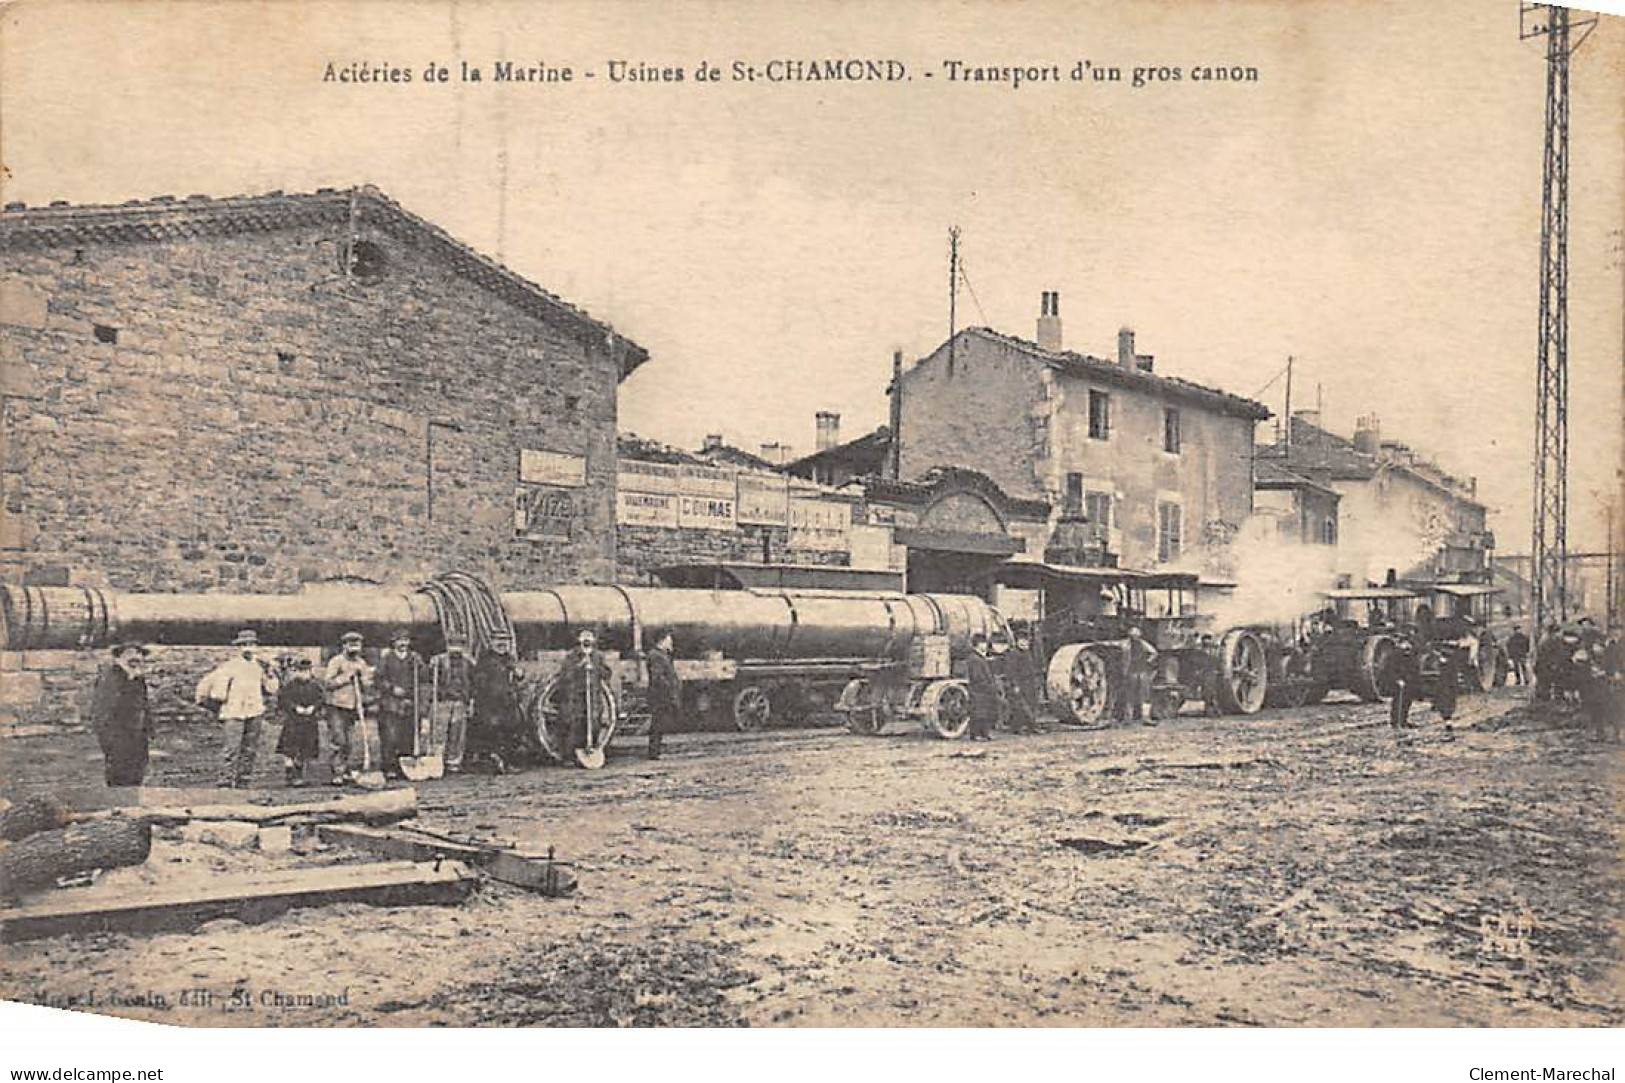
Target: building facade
[
  {"x": 1397, "y": 510},
  {"x": 1158, "y": 466},
  {"x": 259, "y": 394},
  {"x": 1302, "y": 509}
]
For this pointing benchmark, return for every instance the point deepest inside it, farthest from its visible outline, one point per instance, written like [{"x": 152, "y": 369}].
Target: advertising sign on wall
[
  {"x": 641, "y": 477},
  {"x": 764, "y": 499},
  {"x": 708, "y": 481},
  {"x": 706, "y": 512},
  {"x": 645, "y": 509},
  {"x": 821, "y": 525},
  {"x": 544, "y": 512},
  {"x": 538, "y": 467}
]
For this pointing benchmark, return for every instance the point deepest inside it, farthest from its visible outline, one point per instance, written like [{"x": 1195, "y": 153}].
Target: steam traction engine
[
  {"x": 895, "y": 651},
  {"x": 1085, "y": 614}
]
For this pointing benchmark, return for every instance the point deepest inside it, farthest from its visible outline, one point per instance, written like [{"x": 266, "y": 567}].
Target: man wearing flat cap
[
  {"x": 240, "y": 685},
  {"x": 120, "y": 717},
  {"x": 398, "y": 675},
  {"x": 348, "y": 679}
]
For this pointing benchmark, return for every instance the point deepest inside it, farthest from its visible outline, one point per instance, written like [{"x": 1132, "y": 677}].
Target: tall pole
[
  {"x": 1549, "y": 534},
  {"x": 953, "y": 292},
  {"x": 1289, "y": 401}
]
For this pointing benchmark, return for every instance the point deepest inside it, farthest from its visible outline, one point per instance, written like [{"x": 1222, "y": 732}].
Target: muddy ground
[{"x": 1292, "y": 868}]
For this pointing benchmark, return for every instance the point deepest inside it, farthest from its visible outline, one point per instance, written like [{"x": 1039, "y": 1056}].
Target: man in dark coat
[
  {"x": 399, "y": 671},
  {"x": 1546, "y": 666},
  {"x": 984, "y": 690},
  {"x": 493, "y": 735},
  {"x": 1518, "y": 656},
  {"x": 665, "y": 694},
  {"x": 120, "y": 717},
  {"x": 581, "y": 685},
  {"x": 1023, "y": 685},
  {"x": 1404, "y": 675}
]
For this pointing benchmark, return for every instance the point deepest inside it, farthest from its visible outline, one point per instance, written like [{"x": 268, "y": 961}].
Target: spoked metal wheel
[
  {"x": 751, "y": 709},
  {"x": 552, "y": 727},
  {"x": 860, "y": 704},
  {"x": 1243, "y": 672},
  {"x": 1080, "y": 684},
  {"x": 1371, "y": 679},
  {"x": 945, "y": 708}
]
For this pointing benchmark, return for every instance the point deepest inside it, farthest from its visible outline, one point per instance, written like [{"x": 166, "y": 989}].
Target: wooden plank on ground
[
  {"x": 384, "y": 806},
  {"x": 533, "y": 872},
  {"x": 253, "y": 898}
]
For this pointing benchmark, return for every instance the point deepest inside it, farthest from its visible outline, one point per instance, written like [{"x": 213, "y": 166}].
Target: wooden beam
[
  {"x": 252, "y": 898},
  {"x": 384, "y": 806},
  {"x": 533, "y": 872}
]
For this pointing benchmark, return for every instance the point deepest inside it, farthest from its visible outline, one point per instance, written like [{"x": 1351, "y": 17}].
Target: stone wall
[{"x": 231, "y": 413}]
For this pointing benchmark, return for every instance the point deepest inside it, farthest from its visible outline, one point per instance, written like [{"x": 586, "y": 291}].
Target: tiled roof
[
  {"x": 728, "y": 455},
  {"x": 166, "y": 218},
  {"x": 1273, "y": 474},
  {"x": 1313, "y": 448},
  {"x": 632, "y": 446},
  {"x": 1100, "y": 368},
  {"x": 866, "y": 446}
]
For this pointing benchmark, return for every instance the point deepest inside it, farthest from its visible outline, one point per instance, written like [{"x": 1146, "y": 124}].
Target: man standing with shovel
[
  {"x": 398, "y": 689},
  {"x": 347, "y": 679}
]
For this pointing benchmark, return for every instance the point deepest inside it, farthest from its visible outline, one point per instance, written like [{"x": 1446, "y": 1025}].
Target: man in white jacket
[{"x": 238, "y": 686}]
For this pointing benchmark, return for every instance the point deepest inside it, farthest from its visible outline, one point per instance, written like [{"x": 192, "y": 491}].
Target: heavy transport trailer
[
  {"x": 730, "y": 645},
  {"x": 1081, "y": 628}
]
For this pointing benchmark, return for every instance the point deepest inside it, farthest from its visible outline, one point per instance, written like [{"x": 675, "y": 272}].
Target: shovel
[
  {"x": 592, "y": 756},
  {"x": 369, "y": 777},
  {"x": 417, "y": 767}
]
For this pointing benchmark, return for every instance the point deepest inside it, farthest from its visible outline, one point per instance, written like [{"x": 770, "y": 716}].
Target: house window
[
  {"x": 1074, "y": 495},
  {"x": 1100, "y": 415},
  {"x": 1170, "y": 531},
  {"x": 1097, "y": 508},
  {"x": 1170, "y": 430}
]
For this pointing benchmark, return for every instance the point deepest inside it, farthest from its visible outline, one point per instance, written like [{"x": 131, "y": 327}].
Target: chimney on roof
[
  {"x": 777, "y": 453},
  {"x": 1125, "y": 348},
  {"x": 1049, "y": 320},
  {"x": 829, "y": 429},
  {"x": 1367, "y": 434},
  {"x": 713, "y": 441}
]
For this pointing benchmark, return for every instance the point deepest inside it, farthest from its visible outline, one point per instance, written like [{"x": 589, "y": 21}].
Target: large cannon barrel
[{"x": 738, "y": 623}]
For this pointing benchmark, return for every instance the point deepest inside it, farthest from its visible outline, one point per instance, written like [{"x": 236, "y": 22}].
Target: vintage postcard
[{"x": 905, "y": 514}]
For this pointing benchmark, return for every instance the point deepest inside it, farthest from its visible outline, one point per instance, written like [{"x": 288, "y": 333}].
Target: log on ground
[
  {"x": 385, "y": 806},
  {"x": 41, "y": 812},
  {"x": 43, "y": 857},
  {"x": 250, "y": 899}
]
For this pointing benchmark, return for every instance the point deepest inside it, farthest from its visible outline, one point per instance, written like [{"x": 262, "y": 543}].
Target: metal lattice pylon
[{"x": 1549, "y": 537}]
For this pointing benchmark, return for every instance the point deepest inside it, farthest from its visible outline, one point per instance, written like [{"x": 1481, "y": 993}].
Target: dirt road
[{"x": 1293, "y": 868}]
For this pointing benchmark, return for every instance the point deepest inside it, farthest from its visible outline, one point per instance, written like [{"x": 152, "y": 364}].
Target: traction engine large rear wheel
[
  {"x": 945, "y": 707},
  {"x": 1243, "y": 672},
  {"x": 1081, "y": 684},
  {"x": 1371, "y": 678}
]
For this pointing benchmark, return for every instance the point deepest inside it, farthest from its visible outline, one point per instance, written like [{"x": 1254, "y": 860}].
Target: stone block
[{"x": 23, "y": 304}]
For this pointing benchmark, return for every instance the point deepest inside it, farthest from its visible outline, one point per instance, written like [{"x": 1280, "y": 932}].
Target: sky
[{"x": 1370, "y": 206}]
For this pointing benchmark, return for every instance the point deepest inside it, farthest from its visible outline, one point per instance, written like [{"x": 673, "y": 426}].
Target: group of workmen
[
  {"x": 1580, "y": 664},
  {"x": 353, "y": 715},
  {"x": 1006, "y": 682}
]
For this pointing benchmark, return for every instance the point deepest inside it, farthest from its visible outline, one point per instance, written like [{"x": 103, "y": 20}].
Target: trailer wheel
[
  {"x": 945, "y": 709},
  {"x": 864, "y": 713},
  {"x": 751, "y": 709},
  {"x": 1371, "y": 679},
  {"x": 548, "y": 720},
  {"x": 1243, "y": 672},
  {"x": 1080, "y": 684}
]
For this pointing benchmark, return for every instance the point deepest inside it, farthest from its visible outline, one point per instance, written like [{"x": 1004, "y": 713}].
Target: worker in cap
[
  {"x": 120, "y": 716},
  {"x": 399, "y": 675},
  {"x": 239, "y": 687},
  {"x": 451, "y": 701},
  {"x": 1139, "y": 661},
  {"x": 497, "y": 728},
  {"x": 583, "y": 685},
  {"x": 665, "y": 693},
  {"x": 985, "y": 698},
  {"x": 347, "y": 680}
]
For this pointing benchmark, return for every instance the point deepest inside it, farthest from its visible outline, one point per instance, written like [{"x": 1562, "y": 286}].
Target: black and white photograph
[{"x": 813, "y": 515}]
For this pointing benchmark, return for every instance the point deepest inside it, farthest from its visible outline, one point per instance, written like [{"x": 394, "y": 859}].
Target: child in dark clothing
[{"x": 301, "y": 700}]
